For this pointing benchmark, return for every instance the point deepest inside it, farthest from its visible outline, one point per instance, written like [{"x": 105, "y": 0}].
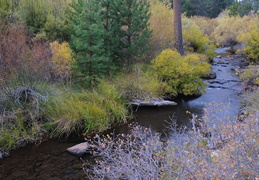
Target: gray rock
[
  {"x": 80, "y": 149},
  {"x": 153, "y": 103},
  {"x": 211, "y": 75},
  {"x": 3, "y": 154},
  {"x": 223, "y": 62}
]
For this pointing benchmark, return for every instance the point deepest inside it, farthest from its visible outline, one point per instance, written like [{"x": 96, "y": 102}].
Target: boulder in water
[
  {"x": 79, "y": 149},
  {"x": 153, "y": 102},
  {"x": 210, "y": 75}
]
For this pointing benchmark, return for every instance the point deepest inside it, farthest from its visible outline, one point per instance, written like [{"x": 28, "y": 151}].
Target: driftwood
[{"x": 155, "y": 102}]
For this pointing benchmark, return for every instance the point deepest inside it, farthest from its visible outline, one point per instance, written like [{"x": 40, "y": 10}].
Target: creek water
[{"x": 49, "y": 160}]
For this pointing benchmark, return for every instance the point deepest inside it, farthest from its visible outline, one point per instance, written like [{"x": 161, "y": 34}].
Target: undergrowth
[
  {"x": 21, "y": 103},
  {"x": 141, "y": 84},
  {"x": 85, "y": 110}
]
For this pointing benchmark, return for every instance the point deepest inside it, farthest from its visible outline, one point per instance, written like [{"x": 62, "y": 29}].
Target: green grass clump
[
  {"x": 141, "y": 83},
  {"x": 86, "y": 111}
]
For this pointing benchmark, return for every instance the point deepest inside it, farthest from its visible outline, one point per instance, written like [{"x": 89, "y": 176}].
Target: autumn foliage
[
  {"x": 18, "y": 53},
  {"x": 161, "y": 23},
  {"x": 62, "y": 59},
  {"x": 181, "y": 73}
]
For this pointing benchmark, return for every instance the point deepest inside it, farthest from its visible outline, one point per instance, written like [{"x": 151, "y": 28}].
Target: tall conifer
[
  {"x": 128, "y": 23},
  {"x": 87, "y": 41}
]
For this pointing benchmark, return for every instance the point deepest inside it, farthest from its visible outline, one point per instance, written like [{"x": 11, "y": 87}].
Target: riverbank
[{"x": 51, "y": 160}]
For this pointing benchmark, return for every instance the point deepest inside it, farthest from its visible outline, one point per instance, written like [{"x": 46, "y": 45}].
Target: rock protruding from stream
[
  {"x": 80, "y": 149},
  {"x": 210, "y": 75},
  {"x": 153, "y": 102}
]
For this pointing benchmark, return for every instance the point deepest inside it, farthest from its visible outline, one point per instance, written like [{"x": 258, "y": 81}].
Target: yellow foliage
[
  {"x": 62, "y": 59},
  {"x": 206, "y": 24},
  {"x": 229, "y": 28},
  {"x": 251, "y": 40},
  {"x": 195, "y": 40},
  {"x": 162, "y": 25},
  {"x": 182, "y": 73}
]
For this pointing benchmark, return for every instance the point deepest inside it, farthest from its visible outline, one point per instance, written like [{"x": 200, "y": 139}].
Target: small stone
[
  {"x": 80, "y": 149},
  {"x": 211, "y": 75}
]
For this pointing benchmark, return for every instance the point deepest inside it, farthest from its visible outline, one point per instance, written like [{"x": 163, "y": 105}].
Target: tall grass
[{"x": 86, "y": 111}]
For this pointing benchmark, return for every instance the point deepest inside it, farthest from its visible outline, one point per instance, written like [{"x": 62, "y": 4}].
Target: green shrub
[
  {"x": 86, "y": 111},
  {"x": 182, "y": 73}
]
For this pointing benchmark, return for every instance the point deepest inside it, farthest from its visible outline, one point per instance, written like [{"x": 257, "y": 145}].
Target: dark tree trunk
[{"x": 178, "y": 27}]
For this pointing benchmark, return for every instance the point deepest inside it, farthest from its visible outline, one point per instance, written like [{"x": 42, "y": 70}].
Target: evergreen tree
[
  {"x": 243, "y": 7},
  {"x": 209, "y": 8},
  {"x": 127, "y": 25},
  {"x": 87, "y": 41}
]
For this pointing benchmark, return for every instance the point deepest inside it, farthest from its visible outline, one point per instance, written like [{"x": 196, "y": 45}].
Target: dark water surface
[{"x": 50, "y": 161}]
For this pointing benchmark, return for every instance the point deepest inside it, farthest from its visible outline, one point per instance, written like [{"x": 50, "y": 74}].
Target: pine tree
[
  {"x": 87, "y": 41},
  {"x": 127, "y": 24}
]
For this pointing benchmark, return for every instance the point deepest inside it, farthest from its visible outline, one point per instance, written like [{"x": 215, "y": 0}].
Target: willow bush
[
  {"x": 182, "y": 73},
  {"x": 250, "y": 40}
]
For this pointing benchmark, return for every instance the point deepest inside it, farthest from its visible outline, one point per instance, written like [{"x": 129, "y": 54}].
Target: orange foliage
[
  {"x": 18, "y": 53},
  {"x": 13, "y": 49}
]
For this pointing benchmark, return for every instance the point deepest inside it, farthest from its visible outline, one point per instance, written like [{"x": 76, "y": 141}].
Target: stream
[{"x": 49, "y": 160}]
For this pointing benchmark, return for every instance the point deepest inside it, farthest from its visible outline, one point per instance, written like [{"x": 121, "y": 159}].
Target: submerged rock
[
  {"x": 210, "y": 75},
  {"x": 80, "y": 149}
]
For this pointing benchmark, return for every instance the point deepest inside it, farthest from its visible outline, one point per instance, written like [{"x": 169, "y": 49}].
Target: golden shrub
[
  {"x": 162, "y": 25},
  {"x": 62, "y": 59},
  {"x": 182, "y": 73}
]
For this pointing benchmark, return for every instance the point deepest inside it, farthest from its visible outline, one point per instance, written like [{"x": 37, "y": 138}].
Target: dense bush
[
  {"x": 206, "y": 24},
  {"x": 162, "y": 25},
  {"x": 250, "y": 40},
  {"x": 45, "y": 19},
  {"x": 250, "y": 75},
  {"x": 229, "y": 28},
  {"x": 182, "y": 73},
  {"x": 62, "y": 59},
  {"x": 18, "y": 52}
]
